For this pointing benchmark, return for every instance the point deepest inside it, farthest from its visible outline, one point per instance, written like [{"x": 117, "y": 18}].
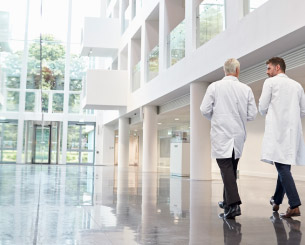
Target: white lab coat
[
  {"x": 283, "y": 101},
  {"x": 228, "y": 104}
]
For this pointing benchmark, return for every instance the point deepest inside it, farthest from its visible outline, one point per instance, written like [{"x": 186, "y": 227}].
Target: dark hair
[{"x": 277, "y": 61}]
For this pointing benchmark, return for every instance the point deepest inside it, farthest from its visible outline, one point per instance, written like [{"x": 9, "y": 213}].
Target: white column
[
  {"x": 22, "y": 92},
  {"x": 150, "y": 134},
  {"x": 123, "y": 146},
  {"x": 200, "y": 167}
]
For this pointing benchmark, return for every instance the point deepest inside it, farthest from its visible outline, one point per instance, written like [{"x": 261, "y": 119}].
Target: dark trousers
[
  {"x": 228, "y": 168},
  {"x": 285, "y": 184}
]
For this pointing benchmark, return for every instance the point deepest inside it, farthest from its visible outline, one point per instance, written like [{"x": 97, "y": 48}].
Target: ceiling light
[
  {"x": 177, "y": 119},
  {"x": 159, "y": 123}
]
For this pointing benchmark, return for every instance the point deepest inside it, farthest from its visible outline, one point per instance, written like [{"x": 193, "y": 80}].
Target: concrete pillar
[
  {"x": 150, "y": 143},
  {"x": 200, "y": 164},
  {"x": 123, "y": 146}
]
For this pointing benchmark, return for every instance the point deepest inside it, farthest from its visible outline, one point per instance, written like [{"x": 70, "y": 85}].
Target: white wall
[
  {"x": 102, "y": 85},
  {"x": 107, "y": 145}
]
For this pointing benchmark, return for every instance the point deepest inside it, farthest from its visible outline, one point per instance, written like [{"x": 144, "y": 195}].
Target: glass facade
[{"x": 41, "y": 76}]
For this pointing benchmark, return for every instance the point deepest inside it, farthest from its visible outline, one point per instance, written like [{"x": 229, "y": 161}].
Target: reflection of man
[
  {"x": 231, "y": 232},
  {"x": 229, "y": 103},
  {"x": 295, "y": 235},
  {"x": 283, "y": 101}
]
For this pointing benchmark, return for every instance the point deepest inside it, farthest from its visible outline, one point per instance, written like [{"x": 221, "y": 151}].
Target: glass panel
[
  {"x": 11, "y": 53},
  {"x": 12, "y": 20},
  {"x": 72, "y": 157},
  {"x": 30, "y": 101},
  {"x": 136, "y": 76},
  {"x": 12, "y": 101},
  {"x": 53, "y": 64},
  {"x": 45, "y": 102},
  {"x": 87, "y": 137},
  {"x": 42, "y": 144},
  {"x": 58, "y": 103},
  {"x": 254, "y": 4},
  {"x": 153, "y": 63},
  {"x": 30, "y": 141},
  {"x": 75, "y": 84},
  {"x": 211, "y": 20},
  {"x": 13, "y": 81},
  {"x": 87, "y": 157},
  {"x": 73, "y": 137},
  {"x": 177, "y": 44},
  {"x": 8, "y": 141},
  {"x": 126, "y": 19},
  {"x": 54, "y": 144},
  {"x": 74, "y": 103}
]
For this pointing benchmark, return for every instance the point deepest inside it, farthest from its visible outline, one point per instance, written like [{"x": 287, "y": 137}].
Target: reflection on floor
[{"x": 43, "y": 204}]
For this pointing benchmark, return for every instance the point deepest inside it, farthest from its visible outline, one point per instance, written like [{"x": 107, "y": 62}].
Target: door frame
[{"x": 35, "y": 140}]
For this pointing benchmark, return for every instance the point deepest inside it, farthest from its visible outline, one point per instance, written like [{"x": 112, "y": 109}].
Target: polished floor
[{"x": 48, "y": 204}]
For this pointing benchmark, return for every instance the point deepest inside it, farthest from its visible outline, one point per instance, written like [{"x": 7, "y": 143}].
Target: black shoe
[
  {"x": 275, "y": 207},
  {"x": 233, "y": 211},
  {"x": 221, "y": 205},
  {"x": 221, "y": 215}
]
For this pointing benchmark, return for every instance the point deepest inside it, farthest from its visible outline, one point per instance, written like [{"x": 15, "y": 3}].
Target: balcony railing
[
  {"x": 176, "y": 44},
  {"x": 136, "y": 77},
  {"x": 153, "y": 63}
]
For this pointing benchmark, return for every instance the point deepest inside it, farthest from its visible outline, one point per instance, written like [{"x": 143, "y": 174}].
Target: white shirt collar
[
  {"x": 230, "y": 78},
  {"x": 282, "y": 75}
]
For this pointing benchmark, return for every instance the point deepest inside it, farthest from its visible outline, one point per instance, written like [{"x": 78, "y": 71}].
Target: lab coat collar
[
  {"x": 230, "y": 78},
  {"x": 281, "y": 75}
]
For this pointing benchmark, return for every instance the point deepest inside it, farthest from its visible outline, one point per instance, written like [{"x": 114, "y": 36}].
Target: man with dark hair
[
  {"x": 229, "y": 104},
  {"x": 283, "y": 102},
  {"x": 277, "y": 61}
]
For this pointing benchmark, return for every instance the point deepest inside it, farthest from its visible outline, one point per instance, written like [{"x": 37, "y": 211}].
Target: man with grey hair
[{"x": 229, "y": 104}]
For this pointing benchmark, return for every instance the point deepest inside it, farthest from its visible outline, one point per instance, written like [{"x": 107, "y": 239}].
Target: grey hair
[{"x": 230, "y": 66}]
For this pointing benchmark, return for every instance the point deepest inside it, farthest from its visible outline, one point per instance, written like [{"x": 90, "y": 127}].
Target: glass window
[
  {"x": 58, "y": 103},
  {"x": 210, "y": 20},
  {"x": 74, "y": 103},
  {"x": 136, "y": 76},
  {"x": 177, "y": 43},
  {"x": 45, "y": 102},
  {"x": 80, "y": 145},
  {"x": 12, "y": 101},
  {"x": 30, "y": 101},
  {"x": 153, "y": 63},
  {"x": 53, "y": 64},
  {"x": 11, "y": 53},
  {"x": 254, "y": 4},
  {"x": 8, "y": 141},
  {"x": 73, "y": 137}
]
